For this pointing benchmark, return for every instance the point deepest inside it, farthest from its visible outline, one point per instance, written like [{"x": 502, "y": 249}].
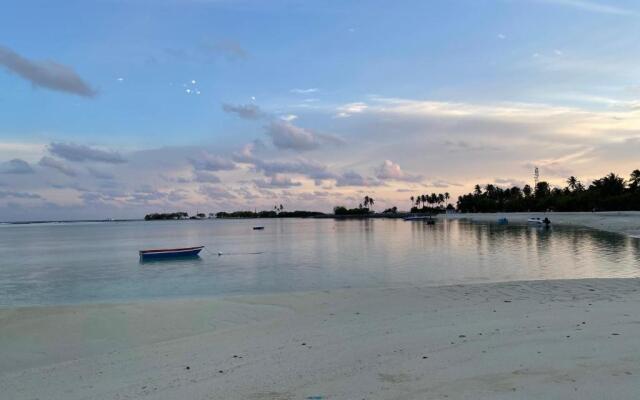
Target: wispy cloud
[
  {"x": 57, "y": 165},
  {"x": 349, "y": 109},
  {"x": 16, "y": 166},
  {"x": 591, "y": 6},
  {"x": 285, "y": 135},
  {"x": 392, "y": 171},
  {"x": 245, "y": 111},
  {"x": 46, "y": 74},
  {"x": 304, "y": 91},
  {"x": 80, "y": 153}
]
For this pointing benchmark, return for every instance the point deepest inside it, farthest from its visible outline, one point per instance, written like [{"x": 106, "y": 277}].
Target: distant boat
[
  {"x": 158, "y": 254},
  {"x": 258, "y": 228},
  {"x": 539, "y": 221},
  {"x": 428, "y": 219},
  {"x": 417, "y": 218},
  {"x": 503, "y": 221}
]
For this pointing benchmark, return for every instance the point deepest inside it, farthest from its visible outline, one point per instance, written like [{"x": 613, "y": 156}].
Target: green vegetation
[
  {"x": 166, "y": 216},
  {"x": 362, "y": 209},
  {"x": 609, "y": 193},
  {"x": 269, "y": 214},
  {"x": 436, "y": 202}
]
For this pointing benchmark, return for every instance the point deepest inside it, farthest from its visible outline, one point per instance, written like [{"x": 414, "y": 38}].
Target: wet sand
[{"x": 569, "y": 339}]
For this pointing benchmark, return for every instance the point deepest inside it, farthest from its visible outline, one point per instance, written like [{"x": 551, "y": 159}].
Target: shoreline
[
  {"x": 528, "y": 339},
  {"x": 623, "y": 222}
]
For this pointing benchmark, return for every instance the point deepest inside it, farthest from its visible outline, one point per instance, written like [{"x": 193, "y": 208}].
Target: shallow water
[{"x": 98, "y": 262}]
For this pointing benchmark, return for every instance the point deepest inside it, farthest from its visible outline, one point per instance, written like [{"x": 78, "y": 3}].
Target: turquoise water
[{"x": 98, "y": 262}]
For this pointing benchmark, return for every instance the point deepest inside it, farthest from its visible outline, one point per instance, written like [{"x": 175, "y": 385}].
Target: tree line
[
  {"x": 434, "y": 202},
  {"x": 609, "y": 193}
]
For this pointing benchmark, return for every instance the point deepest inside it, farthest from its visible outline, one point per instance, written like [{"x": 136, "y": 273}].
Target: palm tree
[
  {"x": 610, "y": 185},
  {"x": 572, "y": 183},
  {"x": 412, "y": 200},
  {"x": 368, "y": 201},
  {"x": 634, "y": 182},
  {"x": 446, "y": 197},
  {"x": 424, "y": 199},
  {"x": 477, "y": 190}
]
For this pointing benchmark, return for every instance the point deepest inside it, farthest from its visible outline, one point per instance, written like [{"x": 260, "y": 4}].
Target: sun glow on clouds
[{"x": 438, "y": 146}]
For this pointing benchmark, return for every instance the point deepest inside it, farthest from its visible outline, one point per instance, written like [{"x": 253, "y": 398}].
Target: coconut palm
[
  {"x": 634, "y": 182},
  {"x": 572, "y": 183}
]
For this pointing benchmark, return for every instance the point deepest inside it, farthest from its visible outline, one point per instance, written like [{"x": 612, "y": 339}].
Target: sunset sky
[{"x": 117, "y": 108}]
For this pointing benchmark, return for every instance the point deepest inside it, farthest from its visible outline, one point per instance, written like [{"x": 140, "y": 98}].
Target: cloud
[
  {"x": 16, "y": 166},
  {"x": 392, "y": 171},
  {"x": 354, "y": 179},
  {"x": 304, "y": 91},
  {"x": 276, "y": 181},
  {"x": 349, "y": 109},
  {"x": 18, "y": 195},
  {"x": 99, "y": 174},
  {"x": 440, "y": 183},
  {"x": 57, "y": 165},
  {"x": 245, "y": 111},
  {"x": 463, "y": 145},
  {"x": 509, "y": 182},
  {"x": 285, "y": 135},
  {"x": 46, "y": 74},
  {"x": 591, "y": 6},
  {"x": 206, "y": 177},
  {"x": 213, "y": 163},
  {"x": 80, "y": 153},
  {"x": 216, "y": 193},
  {"x": 311, "y": 169}
]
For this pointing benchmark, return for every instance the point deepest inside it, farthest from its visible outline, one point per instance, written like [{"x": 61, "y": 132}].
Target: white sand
[
  {"x": 626, "y": 222},
  {"x": 530, "y": 340}
]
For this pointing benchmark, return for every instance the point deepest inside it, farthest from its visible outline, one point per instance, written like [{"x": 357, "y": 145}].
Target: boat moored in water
[
  {"x": 539, "y": 221},
  {"x": 428, "y": 219},
  {"x": 158, "y": 254},
  {"x": 258, "y": 228}
]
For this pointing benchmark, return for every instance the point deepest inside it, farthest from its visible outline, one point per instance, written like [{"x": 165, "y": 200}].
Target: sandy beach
[
  {"x": 625, "y": 222},
  {"x": 572, "y": 339}
]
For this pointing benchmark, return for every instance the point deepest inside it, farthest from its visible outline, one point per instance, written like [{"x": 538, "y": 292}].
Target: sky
[{"x": 118, "y": 108}]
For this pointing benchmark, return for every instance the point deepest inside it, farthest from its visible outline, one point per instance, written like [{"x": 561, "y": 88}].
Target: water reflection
[{"x": 54, "y": 264}]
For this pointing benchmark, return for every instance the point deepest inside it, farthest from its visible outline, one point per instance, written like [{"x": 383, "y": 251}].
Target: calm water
[{"x": 98, "y": 262}]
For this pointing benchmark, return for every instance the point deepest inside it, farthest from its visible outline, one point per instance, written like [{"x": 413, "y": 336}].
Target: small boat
[
  {"x": 258, "y": 228},
  {"x": 503, "y": 221},
  {"x": 170, "y": 253},
  {"x": 539, "y": 221}
]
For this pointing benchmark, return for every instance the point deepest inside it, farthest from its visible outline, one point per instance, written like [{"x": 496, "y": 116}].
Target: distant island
[{"x": 609, "y": 193}]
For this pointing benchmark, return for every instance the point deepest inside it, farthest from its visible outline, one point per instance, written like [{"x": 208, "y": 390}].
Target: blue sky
[{"x": 306, "y": 103}]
